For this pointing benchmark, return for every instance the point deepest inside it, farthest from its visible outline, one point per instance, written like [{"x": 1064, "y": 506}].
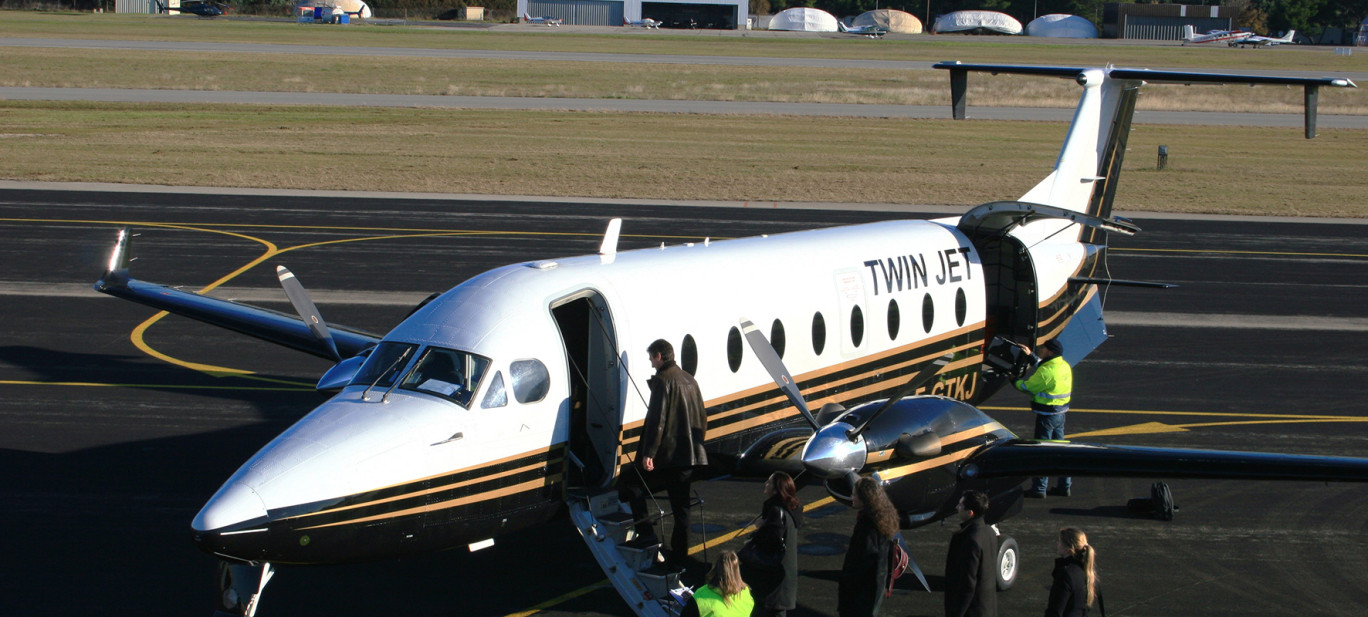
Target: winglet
[
  {"x": 116, "y": 270},
  {"x": 610, "y": 238}
]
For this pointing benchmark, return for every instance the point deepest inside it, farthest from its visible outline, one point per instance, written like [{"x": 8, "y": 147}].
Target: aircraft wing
[
  {"x": 265, "y": 324},
  {"x": 1027, "y": 458}
]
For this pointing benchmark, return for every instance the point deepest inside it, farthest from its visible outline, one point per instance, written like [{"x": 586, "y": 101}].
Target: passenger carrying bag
[{"x": 897, "y": 563}]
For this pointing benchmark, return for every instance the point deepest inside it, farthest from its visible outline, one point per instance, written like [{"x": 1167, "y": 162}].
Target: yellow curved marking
[{"x": 138, "y": 335}]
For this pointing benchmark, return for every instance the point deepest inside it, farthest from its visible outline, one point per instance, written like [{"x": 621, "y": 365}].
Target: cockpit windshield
[
  {"x": 383, "y": 365},
  {"x": 448, "y": 373}
]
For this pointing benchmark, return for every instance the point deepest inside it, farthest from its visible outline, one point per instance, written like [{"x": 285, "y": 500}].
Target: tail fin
[
  {"x": 1089, "y": 164},
  {"x": 841, "y": 26},
  {"x": 1188, "y": 33},
  {"x": 1287, "y": 38}
]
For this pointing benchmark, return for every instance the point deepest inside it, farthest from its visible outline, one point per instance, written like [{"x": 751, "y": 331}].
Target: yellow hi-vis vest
[
  {"x": 1051, "y": 384},
  {"x": 711, "y": 604}
]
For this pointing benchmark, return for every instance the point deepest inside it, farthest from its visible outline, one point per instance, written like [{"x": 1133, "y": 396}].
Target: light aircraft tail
[
  {"x": 1188, "y": 33},
  {"x": 1287, "y": 38},
  {"x": 841, "y": 26}
]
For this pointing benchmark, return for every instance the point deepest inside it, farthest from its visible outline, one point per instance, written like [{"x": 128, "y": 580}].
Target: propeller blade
[
  {"x": 770, "y": 359},
  {"x": 911, "y": 386},
  {"x": 306, "y": 309}
]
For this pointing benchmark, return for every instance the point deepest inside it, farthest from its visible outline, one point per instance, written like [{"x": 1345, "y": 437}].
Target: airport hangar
[{"x": 723, "y": 14}]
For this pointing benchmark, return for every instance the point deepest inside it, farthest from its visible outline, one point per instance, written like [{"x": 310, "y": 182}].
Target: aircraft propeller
[
  {"x": 837, "y": 449},
  {"x": 304, "y": 305}
]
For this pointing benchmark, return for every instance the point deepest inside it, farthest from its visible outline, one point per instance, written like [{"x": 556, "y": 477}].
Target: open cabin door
[
  {"x": 595, "y": 404},
  {"x": 595, "y": 410}
]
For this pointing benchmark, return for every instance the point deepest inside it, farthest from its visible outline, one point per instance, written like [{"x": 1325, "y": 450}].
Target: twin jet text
[{"x": 909, "y": 271}]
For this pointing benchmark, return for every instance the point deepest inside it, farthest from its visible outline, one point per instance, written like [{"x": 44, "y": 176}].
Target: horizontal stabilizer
[
  {"x": 1105, "y": 282},
  {"x": 1042, "y": 458},
  {"x": 265, "y": 324}
]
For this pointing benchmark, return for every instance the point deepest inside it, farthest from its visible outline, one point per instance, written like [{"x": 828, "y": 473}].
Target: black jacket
[
  {"x": 777, "y": 535},
  {"x": 1069, "y": 593},
  {"x": 970, "y": 571},
  {"x": 864, "y": 575},
  {"x": 676, "y": 421}
]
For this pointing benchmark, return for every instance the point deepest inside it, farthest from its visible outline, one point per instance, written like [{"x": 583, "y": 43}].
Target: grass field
[{"x": 683, "y": 156}]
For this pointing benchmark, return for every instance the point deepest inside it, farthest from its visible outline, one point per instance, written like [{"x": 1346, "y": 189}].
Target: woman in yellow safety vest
[{"x": 725, "y": 595}]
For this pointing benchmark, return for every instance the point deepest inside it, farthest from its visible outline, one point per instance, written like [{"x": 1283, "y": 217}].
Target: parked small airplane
[
  {"x": 872, "y": 31},
  {"x": 203, "y": 8},
  {"x": 1229, "y": 37},
  {"x": 1266, "y": 41},
  {"x": 644, "y": 22},
  {"x": 546, "y": 20},
  {"x": 515, "y": 396}
]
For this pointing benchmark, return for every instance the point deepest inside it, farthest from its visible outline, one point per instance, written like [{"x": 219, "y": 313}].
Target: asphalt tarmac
[{"x": 108, "y": 452}]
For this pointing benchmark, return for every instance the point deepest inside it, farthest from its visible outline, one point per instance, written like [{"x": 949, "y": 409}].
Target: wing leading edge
[
  {"x": 265, "y": 324},
  {"x": 1043, "y": 458}
]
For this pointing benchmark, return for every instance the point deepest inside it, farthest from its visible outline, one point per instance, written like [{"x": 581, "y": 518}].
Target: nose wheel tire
[{"x": 1008, "y": 562}]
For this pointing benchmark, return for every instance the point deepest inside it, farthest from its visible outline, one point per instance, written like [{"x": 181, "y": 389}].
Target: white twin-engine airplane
[
  {"x": 519, "y": 394},
  {"x": 1235, "y": 38}
]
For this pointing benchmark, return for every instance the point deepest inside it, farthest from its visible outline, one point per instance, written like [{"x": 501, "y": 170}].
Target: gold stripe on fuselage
[{"x": 495, "y": 494}]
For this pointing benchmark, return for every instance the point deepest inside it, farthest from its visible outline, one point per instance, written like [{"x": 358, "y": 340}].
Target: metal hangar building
[{"x": 716, "y": 14}]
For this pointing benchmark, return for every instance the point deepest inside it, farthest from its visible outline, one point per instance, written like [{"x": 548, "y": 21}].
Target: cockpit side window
[
  {"x": 450, "y": 374},
  {"x": 495, "y": 395},
  {"x": 531, "y": 380},
  {"x": 384, "y": 364}
]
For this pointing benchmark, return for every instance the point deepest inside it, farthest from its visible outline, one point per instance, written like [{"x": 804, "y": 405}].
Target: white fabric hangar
[
  {"x": 803, "y": 19},
  {"x": 977, "y": 22},
  {"x": 1061, "y": 26},
  {"x": 717, "y": 14}
]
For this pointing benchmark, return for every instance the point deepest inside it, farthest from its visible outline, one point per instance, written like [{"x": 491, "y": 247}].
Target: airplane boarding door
[{"x": 586, "y": 328}]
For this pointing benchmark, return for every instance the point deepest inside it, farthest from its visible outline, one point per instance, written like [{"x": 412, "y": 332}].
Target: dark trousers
[
  {"x": 638, "y": 484},
  {"x": 1050, "y": 427}
]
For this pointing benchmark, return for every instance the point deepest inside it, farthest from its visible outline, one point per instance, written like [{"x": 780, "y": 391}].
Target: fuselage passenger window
[{"x": 531, "y": 380}]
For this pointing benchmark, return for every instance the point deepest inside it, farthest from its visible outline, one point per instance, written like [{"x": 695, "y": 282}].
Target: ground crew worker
[{"x": 1050, "y": 387}]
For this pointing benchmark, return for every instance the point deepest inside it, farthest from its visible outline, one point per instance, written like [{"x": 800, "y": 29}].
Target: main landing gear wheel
[{"x": 1008, "y": 562}]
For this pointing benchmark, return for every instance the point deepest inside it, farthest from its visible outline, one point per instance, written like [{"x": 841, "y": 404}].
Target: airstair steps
[{"x": 630, "y": 563}]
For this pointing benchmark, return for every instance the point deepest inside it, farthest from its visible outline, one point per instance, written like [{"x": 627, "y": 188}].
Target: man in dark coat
[
  {"x": 671, "y": 446},
  {"x": 970, "y": 574}
]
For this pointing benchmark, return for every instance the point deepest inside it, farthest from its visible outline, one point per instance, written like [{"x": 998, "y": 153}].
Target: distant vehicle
[
  {"x": 545, "y": 20},
  {"x": 872, "y": 31},
  {"x": 203, "y": 9},
  {"x": 644, "y": 22},
  {"x": 1267, "y": 41}
]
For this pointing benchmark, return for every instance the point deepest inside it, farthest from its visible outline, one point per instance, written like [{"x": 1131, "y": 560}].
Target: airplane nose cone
[
  {"x": 234, "y": 504},
  {"x": 831, "y": 454}
]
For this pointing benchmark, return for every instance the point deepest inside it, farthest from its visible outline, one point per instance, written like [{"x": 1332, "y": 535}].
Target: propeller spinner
[{"x": 838, "y": 449}]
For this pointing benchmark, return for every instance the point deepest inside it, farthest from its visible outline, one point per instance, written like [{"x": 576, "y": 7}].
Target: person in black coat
[
  {"x": 864, "y": 575},
  {"x": 774, "y": 582},
  {"x": 970, "y": 564},
  {"x": 1075, "y": 576}
]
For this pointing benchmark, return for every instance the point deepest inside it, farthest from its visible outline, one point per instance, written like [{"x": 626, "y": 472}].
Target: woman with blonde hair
[
  {"x": 1075, "y": 576},
  {"x": 725, "y": 595},
  {"x": 865, "y": 571}
]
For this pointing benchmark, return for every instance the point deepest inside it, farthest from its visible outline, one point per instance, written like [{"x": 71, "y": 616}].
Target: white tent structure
[
  {"x": 892, "y": 20},
  {"x": 977, "y": 22},
  {"x": 1061, "y": 26},
  {"x": 803, "y": 19}
]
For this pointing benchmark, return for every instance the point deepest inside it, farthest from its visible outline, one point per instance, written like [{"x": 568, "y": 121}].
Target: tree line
[{"x": 1310, "y": 17}]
